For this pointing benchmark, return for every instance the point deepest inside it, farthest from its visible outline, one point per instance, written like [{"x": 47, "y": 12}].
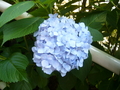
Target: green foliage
[
  {"x": 17, "y": 68},
  {"x": 47, "y": 1},
  {"x": 97, "y": 74},
  {"x": 83, "y": 71},
  {"x": 81, "y": 86},
  {"x": 67, "y": 82},
  {"x": 13, "y": 68},
  {"x": 95, "y": 20},
  {"x": 22, "y": 85},
  {"x": 14, "y": 11},
  {"x": 112, "y": 18},
  {"x": 110, "y": 84},
  {"x": 97, "y": 36},
  {"x": 20, "y": 28},
  {"x": 39, "y": 12}
]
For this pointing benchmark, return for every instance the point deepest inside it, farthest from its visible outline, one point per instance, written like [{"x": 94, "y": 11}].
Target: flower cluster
[{"x": 61, "y": 45}]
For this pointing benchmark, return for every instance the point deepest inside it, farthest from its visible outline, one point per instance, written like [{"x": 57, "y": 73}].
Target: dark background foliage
[{"x": 19, "y": 72}]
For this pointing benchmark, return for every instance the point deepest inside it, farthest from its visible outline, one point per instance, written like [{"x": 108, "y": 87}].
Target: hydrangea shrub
[{"x": 61, "y": 45}]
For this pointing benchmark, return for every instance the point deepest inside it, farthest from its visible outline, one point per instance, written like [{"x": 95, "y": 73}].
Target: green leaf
[
  {"x": 67, "y": 82},
  {"x": 20, "y": 86},
  {"x": 41, "y": 73},
  {"x": 47, "y": 1},
  {"x": 42, "y": 78},
  {"x": 20, "y": 28},
  {"x": 35, "y": 78},
  {"x": 118, "y": 25},
  {"x": 81, "y": 86},
  {"x": 111, "y": 84},
  {"x": 41, "y": 12},
  {"x": 59, "y": 88},
  {"x": 118, "y": 88},
  {"x": 32, "y": 76},
  {"x": 47, "y": 4},
  {"x": 68, "y": 4},
  {"x": 95, "y": 21},
  {"x": 98, "y": 73},
  {"x": 112, "y": 18},
  {"x": 68, "y": 9},
  {"x": 42, "y": 82},
  {"x": 13, "y": 68},
  {"x": 97, "y": 36},
  {"x": 82, "y": 73},
  {"x": 14, "y": 11}
]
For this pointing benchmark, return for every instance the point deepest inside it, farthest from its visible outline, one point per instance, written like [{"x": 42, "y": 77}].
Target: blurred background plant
[{"x": 17, "y": 70}]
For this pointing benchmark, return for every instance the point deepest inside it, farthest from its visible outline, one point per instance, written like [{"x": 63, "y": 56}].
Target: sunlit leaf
[
  {"x": 20, "y": 28},
  {"x": 14, "y": 11}
]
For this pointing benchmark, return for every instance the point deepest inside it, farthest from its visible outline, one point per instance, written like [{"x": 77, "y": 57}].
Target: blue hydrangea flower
[{"x": 61, "y": 45}]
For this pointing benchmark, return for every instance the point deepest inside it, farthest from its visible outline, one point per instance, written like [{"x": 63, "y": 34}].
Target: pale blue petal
[
  {"x": 38, "y": 64},
  {"x": 72, "y": 43},
  {"x": 63, "y": 74},
  {"x": 47, "y": 70},
  {"x": 45, "y": 64},
  {"x": 53, "y": 15},
  {"x": 61, "y": 45},
  {"x": 63, "y": 70},
  {"x": 67, "y": 67}
]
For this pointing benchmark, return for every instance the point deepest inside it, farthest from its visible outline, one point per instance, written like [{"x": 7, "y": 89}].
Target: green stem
[
  {"x": 50, "y": 8},
  {"x": 115, "y": 5},
  {"x": 39, "y": 3},
  {"x": 84, "y": 5}
]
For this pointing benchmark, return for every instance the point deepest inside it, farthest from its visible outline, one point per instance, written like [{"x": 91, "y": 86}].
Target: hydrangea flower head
[{"x": 61, "y": 45}]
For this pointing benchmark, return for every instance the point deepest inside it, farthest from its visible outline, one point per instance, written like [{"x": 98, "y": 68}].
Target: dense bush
[{"x": 17, "y": 68}]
